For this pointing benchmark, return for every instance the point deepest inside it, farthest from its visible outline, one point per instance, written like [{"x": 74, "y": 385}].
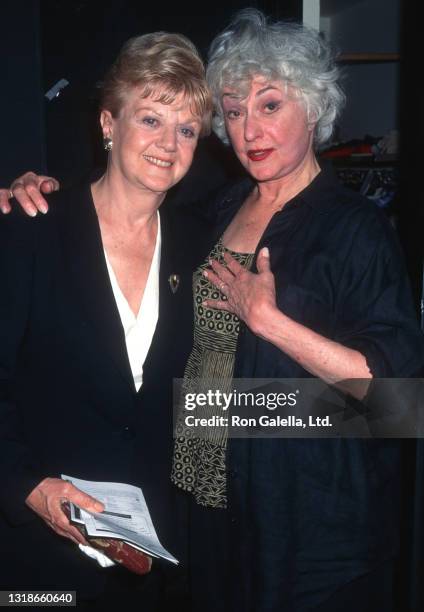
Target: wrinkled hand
[
  {"x": 249, "y": 296},
  {"x": 28, "y": 190},
  {"x": 46, "y": 500}
]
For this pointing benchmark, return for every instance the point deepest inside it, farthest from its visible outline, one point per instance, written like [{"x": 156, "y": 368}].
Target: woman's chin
[{"x": 263, "y": 174}]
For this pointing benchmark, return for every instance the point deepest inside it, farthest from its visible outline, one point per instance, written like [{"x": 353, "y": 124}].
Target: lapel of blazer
[
  {"x": 168, "y": 303},
  {"x": 89, "y": 277}
]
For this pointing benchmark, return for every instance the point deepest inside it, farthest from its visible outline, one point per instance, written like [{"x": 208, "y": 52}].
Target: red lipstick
[{"x": 259, "y": 154}]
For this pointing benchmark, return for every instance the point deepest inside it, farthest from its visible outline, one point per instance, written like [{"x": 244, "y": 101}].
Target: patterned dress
[{"x": 199, "y": 461}]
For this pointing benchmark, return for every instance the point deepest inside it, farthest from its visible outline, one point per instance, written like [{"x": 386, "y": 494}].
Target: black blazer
[{"x": 67, "y": 397}]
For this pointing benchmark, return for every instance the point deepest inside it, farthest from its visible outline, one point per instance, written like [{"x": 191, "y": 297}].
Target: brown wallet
[{"x": 117, "y": 550}]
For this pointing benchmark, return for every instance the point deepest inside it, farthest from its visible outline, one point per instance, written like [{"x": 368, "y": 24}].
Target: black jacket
[
  {"x": 67, "y": 397},
  {"x": 307, "y": 516}
]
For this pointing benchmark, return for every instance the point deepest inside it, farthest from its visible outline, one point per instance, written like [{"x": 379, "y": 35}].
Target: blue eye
[
  {"x": 151, "y": 121},
  {"x": 188, "y": 132}
]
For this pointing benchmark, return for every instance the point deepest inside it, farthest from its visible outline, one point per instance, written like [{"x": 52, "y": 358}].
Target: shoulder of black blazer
[{"x": 72, "y": 224}]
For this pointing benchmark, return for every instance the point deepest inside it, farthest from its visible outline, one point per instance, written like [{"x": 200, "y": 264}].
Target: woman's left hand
[{"x": 250, "y": 296}]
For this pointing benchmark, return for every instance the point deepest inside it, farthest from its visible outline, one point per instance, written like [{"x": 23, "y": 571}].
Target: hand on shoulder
[{"x": 28, "y": 191}]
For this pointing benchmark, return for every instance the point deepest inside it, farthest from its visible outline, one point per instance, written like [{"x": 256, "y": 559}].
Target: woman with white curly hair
[{"x": 304, "y": 279}]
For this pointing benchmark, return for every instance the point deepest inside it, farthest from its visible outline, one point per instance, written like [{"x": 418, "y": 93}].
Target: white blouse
[{"x": 139, "y": 329}]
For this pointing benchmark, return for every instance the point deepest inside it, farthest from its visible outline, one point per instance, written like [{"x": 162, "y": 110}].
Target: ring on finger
[{"x": 14, "y": 186}]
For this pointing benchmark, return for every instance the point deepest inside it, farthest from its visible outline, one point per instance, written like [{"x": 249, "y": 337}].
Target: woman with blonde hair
[{"x": 103, "y": 295}]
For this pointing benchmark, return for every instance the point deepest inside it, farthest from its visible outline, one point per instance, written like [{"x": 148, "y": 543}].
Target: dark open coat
[
  {"x": 307, "y": 516},
  {"x": 67, "y": 397}
]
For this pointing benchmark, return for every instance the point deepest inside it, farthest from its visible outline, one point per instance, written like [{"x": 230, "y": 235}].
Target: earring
[{"x": 107, "y": 143}]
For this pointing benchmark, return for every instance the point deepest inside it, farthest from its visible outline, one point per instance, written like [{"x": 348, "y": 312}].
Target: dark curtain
[{"x": 21, "y": 100}]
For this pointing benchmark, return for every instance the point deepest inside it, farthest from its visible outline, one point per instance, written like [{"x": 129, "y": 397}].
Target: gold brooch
[{"x": 174, "y": 282}]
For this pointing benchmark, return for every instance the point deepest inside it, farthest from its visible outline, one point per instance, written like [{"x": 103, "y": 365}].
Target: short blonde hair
[{"x": 161, "y": 62}]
